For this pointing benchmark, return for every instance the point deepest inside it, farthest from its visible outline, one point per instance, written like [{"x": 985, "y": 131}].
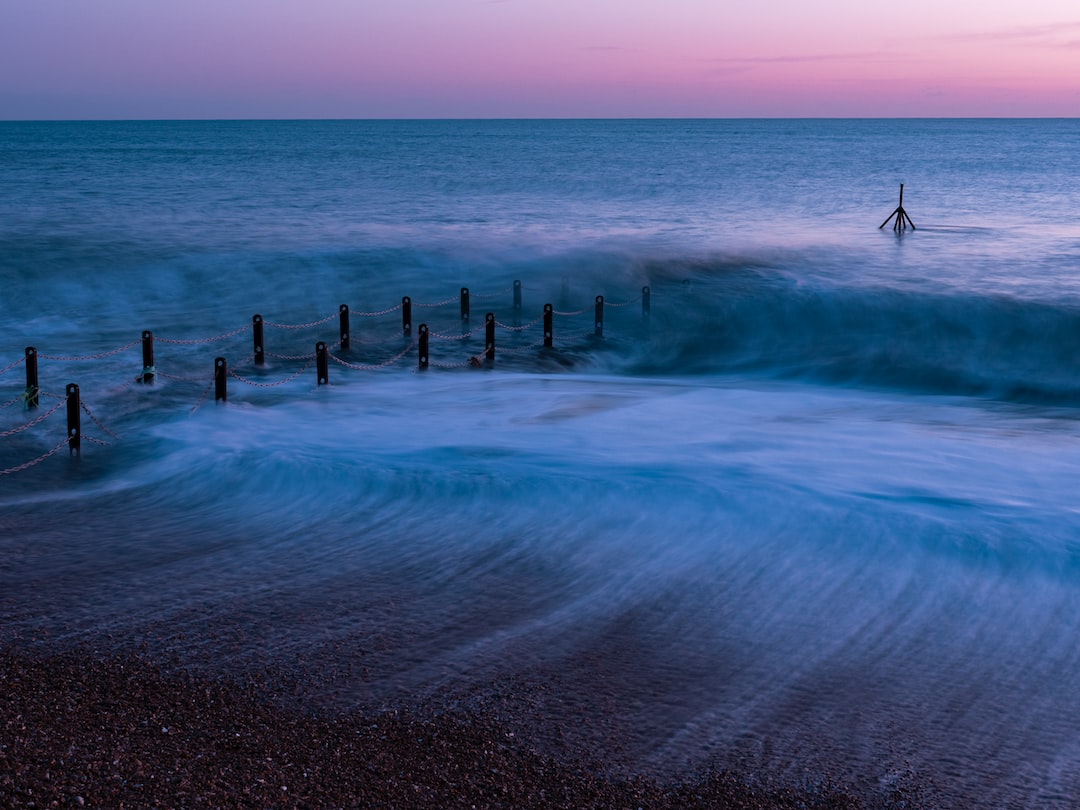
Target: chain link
[
  {"x": 490, "y": 295},
  {"x": 529, "y": 325},
  {"x": 95, "y": 420},
  {"x": 444, "y": 303},
  {"x": 37, "y": 460},
  {"x": 34, "y": 422},
  {"x": 377, "y": 366},
  {"x": 520, "y": 349},
  {"x": 10, "y": 402},
  {"x": 394, "y": 308},
  {"x": 101, "y": 442},
  {"x": 569, "y": 314},
  {"x": 441, "y": 336},
  {"x": 624, "y": 303},
  {"x": 91, "y": 356},
  {"x": 167, "y": 376},
  {"x": 202, "y": 396},
  {"x": 199, "y": 341},
  {"x": 292, "y": 376},
  {"x": 310, "y": 356},
  {"x": 12, "y": 365},
  {"x": 301, "y": 325}
]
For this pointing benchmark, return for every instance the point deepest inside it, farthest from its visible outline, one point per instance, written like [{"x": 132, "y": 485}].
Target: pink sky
[{"x": 537, "y": 58}]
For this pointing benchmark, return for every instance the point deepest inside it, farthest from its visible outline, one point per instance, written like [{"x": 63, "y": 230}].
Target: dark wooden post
[
  {"x": 221, "y": 376},
  {"x": 549, "y": 311},
  {"x": 464, "y": 307},
  {"x": 489, "y": 337},
  {"x": 322, "y": 364},
  {"x": 646, "y": 304},
  {"x": 32, "y": 390},
  {"x": 423, "y": 349},
  {"x": 517, "y": 296},
  {"x": 257, "y": 332},
  {"x": 599, "y": 331},
  {"x": 147, "y": 375},
  {"x": 343, "y": 317},
  {"x": 406, "y": 315},
  {"x": 902, "y": 218},
  {"x": 74, "y": 420}
]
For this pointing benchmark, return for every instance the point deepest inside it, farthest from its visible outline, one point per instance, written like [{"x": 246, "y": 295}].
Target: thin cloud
[
  {"x": 748, "y": 61},
  {"x": 1040, "y": 35}
]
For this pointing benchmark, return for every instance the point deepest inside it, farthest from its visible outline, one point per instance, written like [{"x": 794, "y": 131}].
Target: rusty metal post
[
  {"x": 74, "y": 420},
  {"x": 489, "y": 337},
  {"x": 257, "y": 332},
  {"x": 322, "y": 364},
  {"x": 32, "y": 391},
  {"x": 599, "y": 330},
  {"x": 423, "y": 348},
  {"x": 148, "y": 371},
  {"x": 549, "y": 311},
  {"x": 406, "y": 315},
  {"x": 221, "y": 376},
  {"x": 343, "y": 317}
]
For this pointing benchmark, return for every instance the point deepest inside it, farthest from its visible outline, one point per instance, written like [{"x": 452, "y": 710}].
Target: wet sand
[{"x": 83, "y": 729}]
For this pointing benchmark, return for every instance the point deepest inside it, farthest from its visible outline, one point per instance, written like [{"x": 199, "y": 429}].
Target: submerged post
[
  {"x": 423, "y": 348},
  {"x": 902, "y": 219},
  {"x": 406, "y": 315},
  {"x": 32, "y": 390},
  {"x": 599, "y": 331},
  {"x": 221, "y": 376},
  {"x": 646, "y": 304},
  {"x": 322, "y": 363},
  {"x": 464, "y": 307},
  {"x": 257, "y": 333},
  {"x": 489, "y": 337},
  {"x": 549, "y": 311},
  {"x": 517, "y": 297},
  {"x": 343, "y": 317},
  {"x": 74, "y": 420},
  {"x": 147, "y": 375}
]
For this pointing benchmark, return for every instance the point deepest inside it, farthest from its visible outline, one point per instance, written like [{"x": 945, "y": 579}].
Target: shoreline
[{"x": 81, "y": 729}]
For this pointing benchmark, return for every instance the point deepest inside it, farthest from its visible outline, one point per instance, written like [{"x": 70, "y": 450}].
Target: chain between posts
[
  {"x": 12, "y": 365},
  {"x": 291, "y": 377},
  {"x": 200, "y": 341},
  {"x": 462, "y": 336},
  {"x": 447, "y": 302},
  {"x": 96, "y": 421},
  {"x": 327, "y": 319},
  {"x": 522, "y": 328},
  {"x": 10, "y": 402},
  {"x": 34, "y": 422},
  {"x": 394, "y": 308},
  {"x": 167, "y": 376},
  {"x": 376, "y": 367},
  {"x": 486, "y": 296},
  {"x": 91, "y": 356},
  {"x": 623, "y": 304},
  {"x": 35, "y": 461},
  {"x": 569, "y": 314}
]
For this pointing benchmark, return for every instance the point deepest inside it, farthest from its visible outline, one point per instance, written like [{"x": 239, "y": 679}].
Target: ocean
[{"x": 806, "y": 502}]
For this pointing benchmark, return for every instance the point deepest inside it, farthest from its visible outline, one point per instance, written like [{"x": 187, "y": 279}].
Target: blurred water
[{"x": 817, "y": 510}]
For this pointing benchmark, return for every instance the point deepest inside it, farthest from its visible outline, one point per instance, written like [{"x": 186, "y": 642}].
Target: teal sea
[{"x": 816, "y": 509}]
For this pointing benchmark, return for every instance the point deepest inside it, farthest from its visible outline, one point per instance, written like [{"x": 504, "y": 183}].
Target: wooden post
[
  {"x": 74, "y": 420},
  {"x": 406, "y": 315},
  {"x": 646, "y": 304},
  {"x": 902, "y": 218},
  {"x": 465, "y": 308},
  {"x": 147, "y": 375},
  {"x": 322, "y": 364},
  {"x": 257, "y": 332},
  {"x": 599, "y": 330},
  {"x": 549, "y": 311},
  {"x": 343, "y": 317},
  {"x": 32, "y": 390},
  {"x": 489, "y": 337},
  {"x": 517, "y": 296},
  {"x": 221, "y": 376},
  {"x": 423, "y": 348}
]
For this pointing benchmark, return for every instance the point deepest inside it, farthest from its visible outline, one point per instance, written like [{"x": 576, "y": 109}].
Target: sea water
[{"x": 814, "y": 509}]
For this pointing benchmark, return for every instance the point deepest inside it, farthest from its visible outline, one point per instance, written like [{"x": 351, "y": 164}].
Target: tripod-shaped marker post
[{"x": 902, "y": 219}]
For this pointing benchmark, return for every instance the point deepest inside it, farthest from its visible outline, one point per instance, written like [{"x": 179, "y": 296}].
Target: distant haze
[{"x": 537, "y": 58}]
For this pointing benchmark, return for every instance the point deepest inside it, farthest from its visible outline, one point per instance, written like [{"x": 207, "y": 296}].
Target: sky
[{"x": 123, "y": 59}]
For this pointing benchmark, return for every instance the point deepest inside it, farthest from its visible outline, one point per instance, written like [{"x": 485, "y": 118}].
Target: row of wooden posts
[{"x": 322, "y": 350}]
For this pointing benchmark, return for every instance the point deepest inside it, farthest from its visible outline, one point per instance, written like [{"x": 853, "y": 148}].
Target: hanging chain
[
  {"x": 302, "y": 325},
  {"x": 12, "y": 365},
  {"x": 292, "y": 376},
  {"x": 95, "y": 420},
  {"x": 92, "y": 356},
  {"x": 377, "y": 366},
  {"x": 198, "y": 341},
  {"x": 34, "y": 422},
  {"x": 37, "y": 460}
]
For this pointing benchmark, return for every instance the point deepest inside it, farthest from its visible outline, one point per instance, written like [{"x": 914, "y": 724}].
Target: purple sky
[{"x": 537, "y": 58}]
